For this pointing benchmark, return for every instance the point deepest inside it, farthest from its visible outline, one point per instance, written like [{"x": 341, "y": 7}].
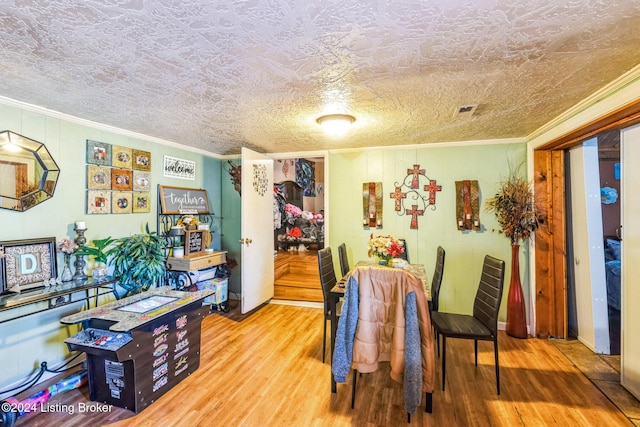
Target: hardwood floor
[{"x": 265, "y": 369}]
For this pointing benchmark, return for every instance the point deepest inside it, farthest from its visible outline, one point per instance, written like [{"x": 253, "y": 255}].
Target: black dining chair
[
  {"x": 435, "y": 287},
  {"x": 404, "y": 255},
  {"x": 483, "y": 324},
  {"x": 437, "y": 280},
  {"x": 328, "y": 281},
  {"x": 344, "y": 260}
]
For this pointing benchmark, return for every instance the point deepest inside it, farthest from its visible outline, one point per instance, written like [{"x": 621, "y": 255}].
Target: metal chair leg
[
  {"x": 475, "y": 350},
  {"x": 324, "y": 340},
  {"x": 495, "y": 351},
  {"x": 428, "y": 405},
  {"x": 353, "y": 389},
  {"x": 444, "y": 359}
]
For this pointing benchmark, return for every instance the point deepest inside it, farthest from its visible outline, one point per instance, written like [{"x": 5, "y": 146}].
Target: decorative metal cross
[
  {"x": 414, "y": 212},
  {"x": 423, "y": 195},
  {"x": 398, "y": 195},
  {"x": 432, "y": 188},
  {"x": 415, "y": 172}
]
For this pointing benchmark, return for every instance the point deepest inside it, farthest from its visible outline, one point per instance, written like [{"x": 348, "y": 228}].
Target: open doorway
[
  {"x": 610, "y": 182},
  {"x": 299, "y": 227},
  {"x": 593, "y": 242}
]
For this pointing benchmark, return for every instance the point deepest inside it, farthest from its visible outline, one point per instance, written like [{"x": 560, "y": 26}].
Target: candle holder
[{"x": 80, "y": 263}]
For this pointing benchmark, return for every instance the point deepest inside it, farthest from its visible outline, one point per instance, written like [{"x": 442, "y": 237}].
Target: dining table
[{"x": 338, "y": 292}]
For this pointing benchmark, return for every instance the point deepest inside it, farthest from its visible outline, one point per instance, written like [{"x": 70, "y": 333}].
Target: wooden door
[{"x": 256, "y": 229}]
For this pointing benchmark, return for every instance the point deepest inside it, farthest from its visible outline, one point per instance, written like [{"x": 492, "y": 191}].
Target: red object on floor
[{"x": 516, "y": 316}]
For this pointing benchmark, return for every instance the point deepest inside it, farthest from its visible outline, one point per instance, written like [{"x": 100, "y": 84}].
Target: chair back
[
  {"x": 437, "y": 279},
  {"x": 489, "y": 295},
  {"x": 404, "y": 255},
  {"x": 327, "y": 273},
  {"x": 344, "y": 260}
]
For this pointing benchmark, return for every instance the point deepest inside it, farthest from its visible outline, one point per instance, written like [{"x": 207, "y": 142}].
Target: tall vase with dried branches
[{"x": 515, "y": 210}]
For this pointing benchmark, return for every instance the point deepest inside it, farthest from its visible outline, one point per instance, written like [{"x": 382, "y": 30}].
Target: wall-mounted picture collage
[{"x": 118, "y": 179}]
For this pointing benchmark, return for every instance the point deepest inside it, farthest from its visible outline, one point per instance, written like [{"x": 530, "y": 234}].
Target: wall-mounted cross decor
[{"x": 420, "y": 198}]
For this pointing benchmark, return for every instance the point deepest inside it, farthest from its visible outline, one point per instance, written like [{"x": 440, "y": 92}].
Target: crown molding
[
  {"x": 101, "y": 126},
  {"x": 596, "y": 99}
]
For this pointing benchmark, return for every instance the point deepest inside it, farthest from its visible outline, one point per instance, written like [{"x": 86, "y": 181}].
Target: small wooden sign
[{"x": 194, "y": 241}]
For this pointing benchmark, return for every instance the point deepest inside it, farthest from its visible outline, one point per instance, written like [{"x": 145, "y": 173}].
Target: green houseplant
[
  {"x": 138, "y": 261},
  {"x": 515, "y": 210},
  {"x": 100, "y": 252}
]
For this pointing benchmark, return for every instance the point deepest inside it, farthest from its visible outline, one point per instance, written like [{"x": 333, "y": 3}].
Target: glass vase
[
  {"x": 99, "y": 272},
  {"x": 385, "y": 260},
  {"x": 66, "y": 275}
]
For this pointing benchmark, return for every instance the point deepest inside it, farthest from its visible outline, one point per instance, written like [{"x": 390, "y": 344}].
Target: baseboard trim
[{"x": 502, "y": 326}]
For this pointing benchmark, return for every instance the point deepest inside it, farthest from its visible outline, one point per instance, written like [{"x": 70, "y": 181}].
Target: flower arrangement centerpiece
[{"x": 385, "y": 248}]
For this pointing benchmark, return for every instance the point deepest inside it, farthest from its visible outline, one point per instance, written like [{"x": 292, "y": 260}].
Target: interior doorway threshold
[
  {"x": 603, "y": 371},
  {"x": 310, "y": 304}
]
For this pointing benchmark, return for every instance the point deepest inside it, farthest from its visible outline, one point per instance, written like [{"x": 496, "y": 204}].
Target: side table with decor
[{"x": 200, "y": 271}]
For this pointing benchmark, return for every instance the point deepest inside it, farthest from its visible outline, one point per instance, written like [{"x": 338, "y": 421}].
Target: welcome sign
[{"x": 174, "y": 167}]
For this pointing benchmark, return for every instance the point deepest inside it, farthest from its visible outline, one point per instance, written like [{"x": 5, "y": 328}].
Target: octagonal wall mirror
[{"x": 28, "y": 173}]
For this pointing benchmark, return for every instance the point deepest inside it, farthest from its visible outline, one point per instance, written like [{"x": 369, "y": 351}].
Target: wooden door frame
[{"x": 550, "y": 238}]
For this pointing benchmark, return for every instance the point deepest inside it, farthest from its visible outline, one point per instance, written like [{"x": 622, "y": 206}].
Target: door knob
[{"x": 246, "y": 241}]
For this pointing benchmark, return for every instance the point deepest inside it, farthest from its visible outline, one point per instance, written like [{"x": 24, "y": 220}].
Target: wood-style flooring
[{"x": 265, "y": 369}]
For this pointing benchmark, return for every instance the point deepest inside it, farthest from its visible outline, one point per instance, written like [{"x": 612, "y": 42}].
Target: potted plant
[
  {"x": 99, "y": 251},
  {"x": 138, "y": 261},
  {"x": 515, "y": 210}
]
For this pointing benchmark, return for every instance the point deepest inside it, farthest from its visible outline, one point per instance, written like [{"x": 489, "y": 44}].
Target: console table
[{"x": 56, "y": 296}]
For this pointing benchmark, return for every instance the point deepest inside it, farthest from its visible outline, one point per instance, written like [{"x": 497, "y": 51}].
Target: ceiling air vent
[{"x": 465, "y": 110}]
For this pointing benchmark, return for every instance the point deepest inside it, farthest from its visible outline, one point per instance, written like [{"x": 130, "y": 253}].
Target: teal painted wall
[
  {"x": 231, "y": 227},
  {"x": 27, "y": 342},
  {"x": 465, "y": 251}
]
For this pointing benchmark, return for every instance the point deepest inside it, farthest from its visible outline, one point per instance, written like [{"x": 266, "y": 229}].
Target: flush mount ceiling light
[{"x": 336, "y": 124}]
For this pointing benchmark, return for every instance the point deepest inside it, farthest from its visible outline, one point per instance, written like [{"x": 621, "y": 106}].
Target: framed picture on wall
[
  {"x": 27, "y": 263},
  {"x": 121, "y": 179},
  {"x": 121, "y": 202},
  {"x": 98, "y": 177},
  {"x": 98, "y": 153},
  {"x": 141, "y": 160},
  {"x": 141, "y": 202},
  {"x": 141, "y": 181},
  {"x": 122, "y": 157},
  {"x": 98, "y": 202}
]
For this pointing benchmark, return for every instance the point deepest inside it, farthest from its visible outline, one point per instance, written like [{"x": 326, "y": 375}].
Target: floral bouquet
[
  {"x": 67, "y": 246},
  {"x": 385, "y": 248}
]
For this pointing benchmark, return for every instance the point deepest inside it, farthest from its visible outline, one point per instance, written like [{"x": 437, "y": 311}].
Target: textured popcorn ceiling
[{"x": 221, "y": 74}]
